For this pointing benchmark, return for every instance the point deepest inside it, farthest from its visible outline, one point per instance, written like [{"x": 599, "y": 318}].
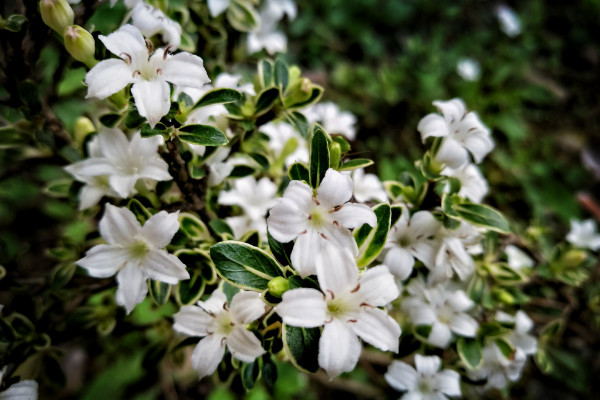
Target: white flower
[
  {"x": 427, "y": 382},
  {"x": 461, "y": 131},
  {"x": 134, "y": 253},
  {"x": 221, "y": 325},
  {"x": 217, "y": 7},
  {"x": 453, "y": 252},
  {"x": 497, "y": 368},
  {"x": 584, "y": 234},
  {"x": 517, "y": 258},
  {"x": 368, "y": 187},
  {"x": 116, "y": 164},
  {"x": 151, "y": 21},
  {"x": 410, "y": 238},
  {"x": 148, "y": 74},
  {"x": 468, "y": 69},
  {"x": 280, "y": 134},
  {"x": 317, "y": 220},
  {"x": 473, "y": 185},
  {"x": 347, "y": 307},
  {"x": 332, "y": 119},
  {"x": 278, "y": 8},
  {"x": 444, "y": 310},
  {"x": 266, "y": 36},
  {"x": 255, "y": 198},
  {"x": 23, "y": 390},
  {"x": 509, "y": 21},
  {"x": 128, "y": 3},
  {"x": 519, "y": 336}
]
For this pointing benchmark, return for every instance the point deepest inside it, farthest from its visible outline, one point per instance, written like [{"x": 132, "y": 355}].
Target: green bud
[
  {"x": 80, "y": 44},
  {"x": 299, "y": 91},
  {"x": 277, "y": 286},
  {"x": 335, "y": 152},
  {"x": 83, "y": 127},
  {"x": 504, "y": 296},
  {"x": 57, "y": 14},
  {"x": 573, "y": 258}
]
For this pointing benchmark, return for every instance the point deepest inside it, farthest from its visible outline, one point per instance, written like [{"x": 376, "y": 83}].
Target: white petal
[
  {"x": 90, "y": 196},
  {"x": 454, "y": 110},
  {"x": 128, "y": 40},
  {"x": 246, "y": 307},
  {"x": 423, "y": 224},
  {"x": 286, "y": 221},
  {"x": 162, "y": 266},
  {"x": 440, "y": 335},
  {"x": 421, "y": 313},
  {"x": 114, "y": 145},
  {"x": 300, "y": 194},
  {"x": 244, "y": 345},
  {"x": 23, "y": 390},
  {"x": 171, "y": 33},
  {"x": 522, "y": 322},
  {"x": 464, "y": 325},
  {"x": 427, "y": 365},
  {"x": 91, "y": 167},
  {"x": 339, "y": 348},
  {"x": 451, "y": 153},
  {"x": 479, "y": 146},
  {"x": 377, "y": 328},
  {"x": 355, "y": 215},
  {"x": 459, "y": 301},
  {"x": 132, "y": 288},
  {"x": 216, "y": 7},
  {"x": 152, "y": 99},
  {"x": 432, "y": 125},
  {"x": 305, "y": 308},
  {"x": 377, "y": 286},
  {"x": 104, "y": 260},
  {"x": 155, "y": 169},
  {"x": 336, "y": 270},
  {"x": 160, "y": 228},
  {"x": 107, "y": 77},
  {"x": 335, "y": 188},
  {"x": 400, "y": 262},
  {"x": 207, "y": 355},
  {"x": 401, "y": 376},
  {"x": 192, "y": 321},
  {"x": 185, "y": 69},
  {"x": 215, "y": 303},
  {"x": 119, "y": 226},
  {"x": 448, "y": 382},
  {"x": 124, "y": 185},
  {"x": 339, "y": 237},
  {"x": 307, "y": 246}
]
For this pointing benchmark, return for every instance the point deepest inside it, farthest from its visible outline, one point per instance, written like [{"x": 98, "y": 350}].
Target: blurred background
[{"x": 530, "y": 69}]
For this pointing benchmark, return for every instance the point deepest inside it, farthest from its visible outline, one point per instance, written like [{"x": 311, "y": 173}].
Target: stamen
[
  {"x": 159, "y": 71},
  {"x": 150, "y": 46},
  {"x": 336, "y": 208},
  {"x": 232, "y": 323},
  {"x": 166, "y": 53},
  {"x": 353, "y": 320},
  {"x": 225, "y": 306},
  {"x": 310, "y": 217},
  {"x": 136, "y": 72},
  {"x": 366, "y": 305},
  {"x": 128, "y": 60},
  {"x": 208, "y": 333},
  {"x": 331, "y": 293},
  {"x": 223, "y": 339},
  {"x": 324, "y": 236},
  {"x": 336, "y": 223},
  {"x": 355, "y": 289},
  {"x": 303, "y": 232},
  {"x": 316, "y": 201},
  {"x": 329, "y": 321}
]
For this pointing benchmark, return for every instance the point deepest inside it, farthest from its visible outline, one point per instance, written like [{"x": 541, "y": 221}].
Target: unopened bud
[
  {"x": 57, "y": 14},
  {"x": 573, "y": 258},
  {"x": 335, "y": 153},
  {"x": 277, "y": 286},
  {"x": 298, "y": 92},
  {"x": 83, "y": 127},
  {"x": 80, "y": 44}
]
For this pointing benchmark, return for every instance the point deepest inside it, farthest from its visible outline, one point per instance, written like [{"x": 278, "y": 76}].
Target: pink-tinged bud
[
  {"x": 80, "y": 44},
  {"x": 57, "y": 14}
]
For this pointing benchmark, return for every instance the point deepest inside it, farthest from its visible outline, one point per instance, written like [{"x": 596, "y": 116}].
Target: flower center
[
  {"x": 425, "y": 385},
  {"x": 139, "y": 249},
  {"x": 223, "y": 324}
]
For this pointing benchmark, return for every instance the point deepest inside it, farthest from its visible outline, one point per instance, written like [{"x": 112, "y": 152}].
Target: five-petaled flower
[
  {"x": 135, "y": 253},
  {"x": 318, "y": 220},
  {"x": 222, "y": 325},
  {"x": 347, "y": 307},
  {"x": 149, "y": 74}
]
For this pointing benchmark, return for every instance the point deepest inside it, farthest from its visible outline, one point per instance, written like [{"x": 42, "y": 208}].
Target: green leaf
[
  {"x": 141, "y": 213},
  {"x": 299, "y": 172},
  {"x": 281, "y": 251},
  {"x": 302, "y": 346},
  {"x": 281, "y": 74},
  {"x": 10, "y": 137},
  {"x": 193, "y": 227},
  {"x": 371, "y": 239},
  {"x": 240, "y": 171},
  {"x": 109, "y": 120},
  {"x": 242, "y": 16},
  {"x": 261, "y": 160},
  {"x": 315, "y": 95},
  {"x": 265, "y": 100},
  {"x": 265, "y": 70},
  {"x": 299, "y": 122},
  {"x": 355, "y": 164},
  {"x": 205, "y": 135},
  {"x": 469, "y": 351},
  {"x": 159, "y": 291},
  {"x": 319, "y": 157},
  {"x": 133, "y": 119},
  {"x": 250, "y": 373},
  {"x": 159, "y": 129},
  {"x": 220, "y": 227},
  {"x": 506, "y": 348},
  {"x": 218, "y": 96},
  {"x": 243, "y": 265},
  {"x": 189, "y": 291},
  {"x": 481, "y": 215},
  {"x": 15, "y": 22},
  {"x": 397, "y": 211},
  {"x": 59, "y": 188}
]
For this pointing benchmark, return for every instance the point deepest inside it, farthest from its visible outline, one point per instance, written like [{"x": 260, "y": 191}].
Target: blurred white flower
[
  {"x": 24, "y": 390},
  {"x": 453, "y": 255},
  {"x": 266, "y": 37},
  {"x": 222, "y": 325},
  {"x": 368, "y": 187},
  {"x": 517, "y": 258},
  {"x": 135, "y": 253},
  {"x": 468, "y": 69},
  {"x": 278, "y": 8},
  {"x": 462, "y": 133},
  {"x": 509, "y": 20},
  {"x": 151, "y": 21},
  {"x": 497, "y": 368},
  {"x": 286, "y": 142},
  {"x": 426, "y": 382},
  {"x": 217, "y": 7},
  {"x": 584, "y": 234},
  {"x": 473, "y": 185},
  {"x": 519, "y": 336},
  {"x": 332, "y": 119}
]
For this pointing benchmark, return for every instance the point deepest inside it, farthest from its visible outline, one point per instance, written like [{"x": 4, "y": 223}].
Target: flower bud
[
  {"x": 573, "y": 258},
  {"x": 80, "y": 44},
  {"x": 277, "y": 286},
  {"x": 335, "y": 153},
  {"x": 57, "y": 14},
  {"x": 298, "y": 92},
  {"x": 83, "y": 127}
]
